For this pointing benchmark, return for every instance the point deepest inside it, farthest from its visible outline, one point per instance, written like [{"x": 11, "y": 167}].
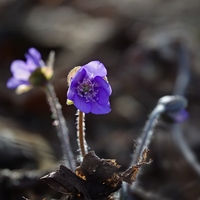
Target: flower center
[
  {"x": 88, "y": 90},
  {"x": 40, "y": 76}
]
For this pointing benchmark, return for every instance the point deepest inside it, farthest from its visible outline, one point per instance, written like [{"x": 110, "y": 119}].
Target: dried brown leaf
[
  {"x": 66, "y": 182},
  {"x": 130, "y": 174},
  {"x": 95, "y": 178}
]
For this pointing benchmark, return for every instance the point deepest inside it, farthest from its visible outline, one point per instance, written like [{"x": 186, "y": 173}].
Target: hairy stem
[
  {"x": 82, "y": 144},
  {"x": 145, "y": 138},
  {"x": 61, "y": 126}
]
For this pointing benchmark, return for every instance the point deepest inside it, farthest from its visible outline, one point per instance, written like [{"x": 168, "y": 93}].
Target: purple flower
[
  {"x": 89, "y": 89},
  {"x": 31, "y": 73},
  {"x": 174, "y": 111},
  {"x": 177, "y": 117}
]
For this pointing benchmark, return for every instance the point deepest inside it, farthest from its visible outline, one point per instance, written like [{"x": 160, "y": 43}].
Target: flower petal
[
  {"x": 180, "y": 116},
  {"x": 70, "y": 93},
  {"x": 100, "y": 109},
  {"x": 81, "y": 104},
  {"x": 78, "y": 78},
  {"x": 34, "y": 53},
  {"x": 33, "y": 58},
  {"x": 31, "y": 64},
  {"x": 103, "y": 83},
  {"x": 103, "y": 96},
  {"x": 20, "y": 70},
  {"x": 13, "y": 82},
  {"x": 95, "y": 68}
]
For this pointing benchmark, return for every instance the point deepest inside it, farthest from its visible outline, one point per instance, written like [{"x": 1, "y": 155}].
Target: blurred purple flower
[
  {"x": 180, "y": 116},
  {"x": 30, "y": 73},
  {"x": 89, "y": 89}
]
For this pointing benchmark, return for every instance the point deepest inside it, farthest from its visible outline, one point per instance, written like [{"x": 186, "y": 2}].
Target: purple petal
[
  {"x": 78, "y": 78},
  {"x": 34, "y": 57},
  {"x": 34, "y": 53},
  {"x": 14, "y": 83},
  {"x": 95, "y": 68},
  {"x": 70, "y": 93},
  {"x": 81, "y": 104},
  {"x": 31, "y": 64},
  {"x": 103, "y": 83},
  {"x": 103, "y": 96},
  {"x": 20, "y": 70},
  {"x": 100, "y": 109},
  {"x": 180, "y": 116}
]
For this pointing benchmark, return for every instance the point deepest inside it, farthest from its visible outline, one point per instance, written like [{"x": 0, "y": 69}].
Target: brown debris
[{"x": 95, "y": 178}]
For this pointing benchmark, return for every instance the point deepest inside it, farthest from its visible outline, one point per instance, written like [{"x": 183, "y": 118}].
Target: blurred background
[{"x": 138, "y": 42}]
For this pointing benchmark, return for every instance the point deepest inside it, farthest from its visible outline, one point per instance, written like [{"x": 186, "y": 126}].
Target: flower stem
[
  {"x": 183, "y": 75},
  {"x": 145, "y": 138},
  {"x": 61, "y": 126},
  {"x": 82, "y": 144},
  {"x": 168, "y": 104},
  {"x": 183, "y": 146},
  {"x": 181, "y": 84}
]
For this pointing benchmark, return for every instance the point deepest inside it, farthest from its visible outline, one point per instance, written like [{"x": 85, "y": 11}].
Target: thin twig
[
  {"x": 61, "y": 126},
  {"x": 81, "y": 134}
]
